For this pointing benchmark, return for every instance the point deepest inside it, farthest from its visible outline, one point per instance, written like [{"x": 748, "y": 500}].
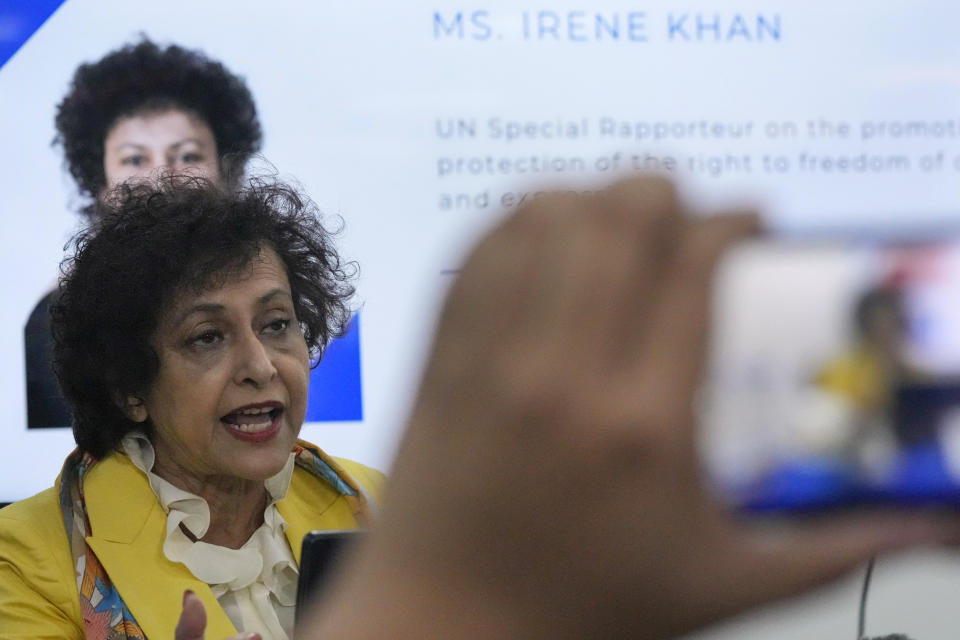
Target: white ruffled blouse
[{"x": 256, "y": 584}]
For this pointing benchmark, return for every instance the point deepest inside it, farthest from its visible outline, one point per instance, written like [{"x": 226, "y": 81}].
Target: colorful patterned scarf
[{"x": 105, "y": 615}]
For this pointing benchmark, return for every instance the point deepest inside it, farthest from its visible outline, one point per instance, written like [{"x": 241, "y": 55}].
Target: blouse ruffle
[{"x": 257, "y": 583}]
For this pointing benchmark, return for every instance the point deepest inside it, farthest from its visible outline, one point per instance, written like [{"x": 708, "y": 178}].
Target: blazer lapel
[
  {"x": 128, "y": 527},
  {"x": 312, "y": 504},
  {"x": 307, "y": 499}
]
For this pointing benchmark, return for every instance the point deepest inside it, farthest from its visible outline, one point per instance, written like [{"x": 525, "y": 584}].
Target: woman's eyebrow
[
  {"x": 203, "y": 307},
  {"x": 135, "y": 145},
  {"x": 273, "y": 293},
  {"x": 180, "y": 143},
  {"x": 217, "y": 308}
]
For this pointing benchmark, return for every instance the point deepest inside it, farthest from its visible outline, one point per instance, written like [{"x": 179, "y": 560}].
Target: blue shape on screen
[
  {"x": 805, "y": 483},
  {"x": 336, "y": 392},
  {"x": 921, "y": 471},
  {"x": 20, "y": 19}
]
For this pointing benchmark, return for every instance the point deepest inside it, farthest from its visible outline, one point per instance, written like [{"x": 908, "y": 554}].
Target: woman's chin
[
  {"x": 259, "y": 470},
  {"x": 262, "y": 460}
]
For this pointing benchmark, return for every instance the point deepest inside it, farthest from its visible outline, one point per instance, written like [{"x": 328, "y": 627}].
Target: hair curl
[
  {"x": 144, "y": 77},
  {"x": 151, "y": 241}
]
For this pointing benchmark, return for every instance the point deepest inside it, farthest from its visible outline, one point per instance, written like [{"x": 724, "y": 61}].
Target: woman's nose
[{"x": 254, "y": 362}]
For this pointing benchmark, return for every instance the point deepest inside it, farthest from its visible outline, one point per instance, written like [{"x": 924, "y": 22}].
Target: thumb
[
  {"x": 820, "y": 552},
  {"x": 193, "y": 619}
]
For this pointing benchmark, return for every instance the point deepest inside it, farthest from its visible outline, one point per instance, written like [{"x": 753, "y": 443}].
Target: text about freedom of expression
[{"x": 498, "y": 148}]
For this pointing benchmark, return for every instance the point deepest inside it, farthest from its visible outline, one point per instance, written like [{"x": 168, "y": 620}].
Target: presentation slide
[{"x": 414, "y": 126}]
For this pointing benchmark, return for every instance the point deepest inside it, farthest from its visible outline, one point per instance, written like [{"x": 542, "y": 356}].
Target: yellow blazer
[{"x": 38, "y": 586}]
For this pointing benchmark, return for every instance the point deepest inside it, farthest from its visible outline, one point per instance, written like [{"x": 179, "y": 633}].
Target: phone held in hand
[
  {"x": 320, "y": 555},
  {"x": 833, "y": 377}
]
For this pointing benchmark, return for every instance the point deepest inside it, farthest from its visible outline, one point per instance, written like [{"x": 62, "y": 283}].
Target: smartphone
[
  {"x": 833, "y": 375},
  {"x": 320, "y": 554}
]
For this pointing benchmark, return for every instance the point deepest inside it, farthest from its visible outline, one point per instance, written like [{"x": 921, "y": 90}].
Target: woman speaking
[
  {"x": 548, "y": 485},
  {"x": 187, "y": 321}
]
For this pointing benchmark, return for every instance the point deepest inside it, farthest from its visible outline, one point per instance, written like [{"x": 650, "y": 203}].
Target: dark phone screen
[{"x": 321, "y": 552}]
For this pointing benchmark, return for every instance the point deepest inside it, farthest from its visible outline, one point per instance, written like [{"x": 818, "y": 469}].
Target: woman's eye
[
  {"x": 134, "y": 161},
  {"x": 278, "y": 326},
  {"x": 191, "y": 158},
  {"x": 205, "y": 339}
]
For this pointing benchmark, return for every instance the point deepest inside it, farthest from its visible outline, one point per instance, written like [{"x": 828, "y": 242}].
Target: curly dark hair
[
  {"x": 151, "y": 241},
  {"x": 145, "y": 77}
]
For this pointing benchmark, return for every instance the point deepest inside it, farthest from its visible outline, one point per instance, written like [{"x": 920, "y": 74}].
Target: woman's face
[
  {"x": 231, "y": 392},
  {"x": 139, "y": 145}
]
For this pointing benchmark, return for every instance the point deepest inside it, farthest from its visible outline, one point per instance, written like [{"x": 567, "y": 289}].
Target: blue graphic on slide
[
  {"x": 335, "y": 385},
  {"x": 20, "y": 19}
]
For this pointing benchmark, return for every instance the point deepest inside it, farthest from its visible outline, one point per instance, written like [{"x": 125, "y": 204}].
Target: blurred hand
[
  {"x": 548, "y": 485},
  {"x": 193, "y": 621}
]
